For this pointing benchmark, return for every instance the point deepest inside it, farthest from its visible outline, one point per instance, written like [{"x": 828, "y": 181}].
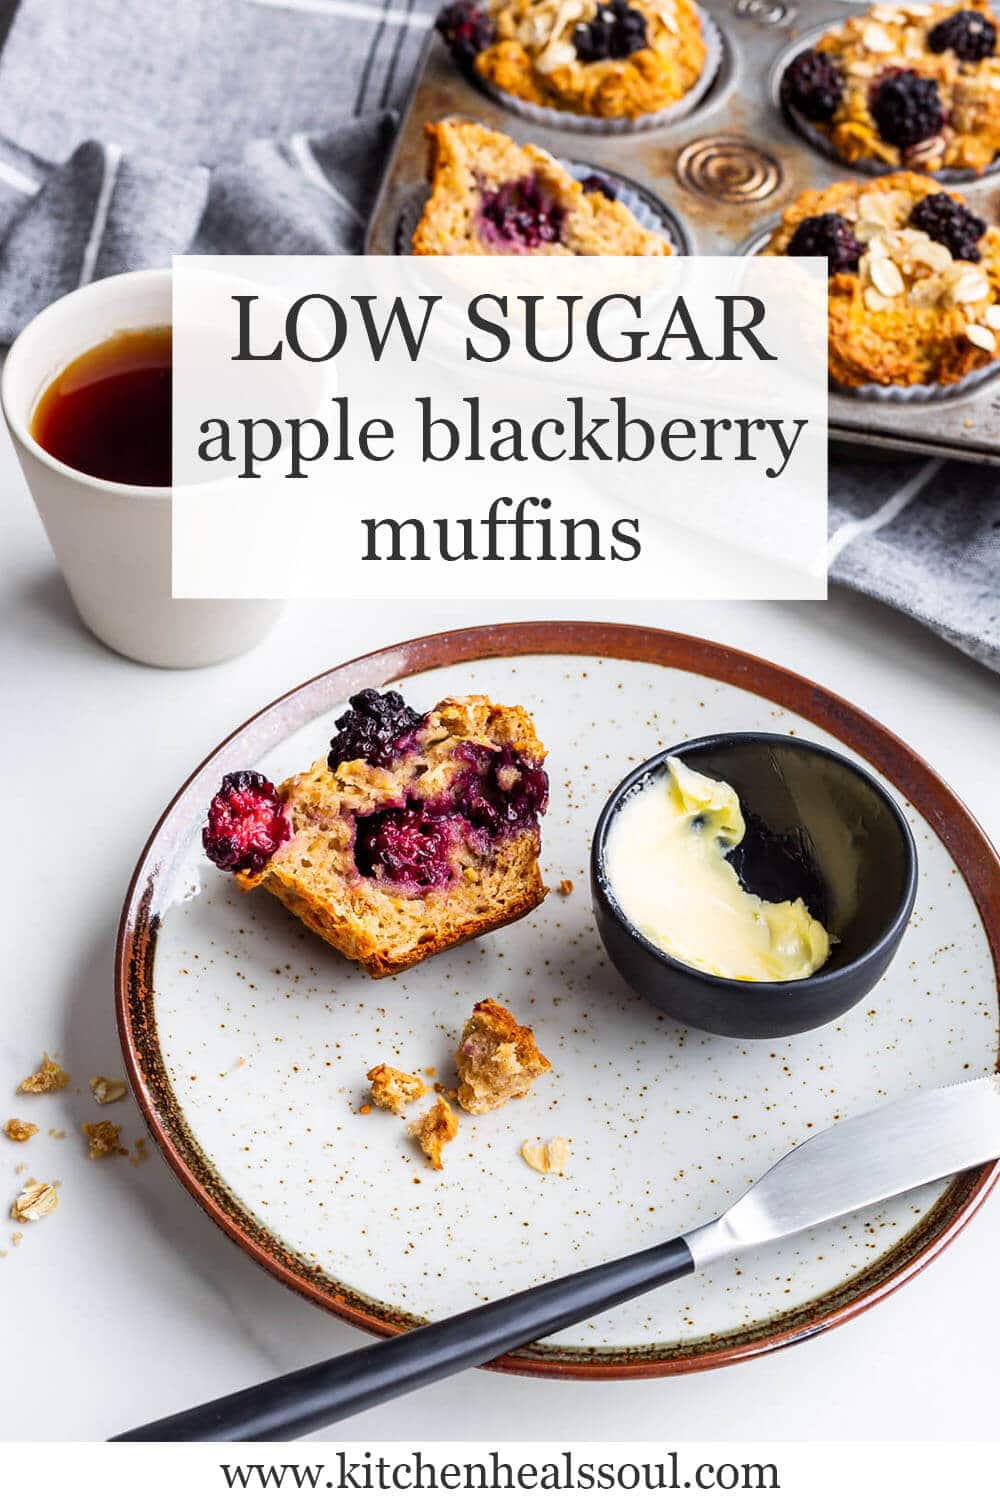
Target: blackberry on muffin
[
  {"x": 812, "y": 84},
  {"x": 830, "y": 236},
  {"x": 967, "y": 33}
]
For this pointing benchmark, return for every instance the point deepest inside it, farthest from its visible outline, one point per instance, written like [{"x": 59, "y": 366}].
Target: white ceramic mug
[{"x": 112, "y": 541}]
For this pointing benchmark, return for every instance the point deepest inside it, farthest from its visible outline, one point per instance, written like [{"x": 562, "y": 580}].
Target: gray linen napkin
[{"x": 132, "y": 130}]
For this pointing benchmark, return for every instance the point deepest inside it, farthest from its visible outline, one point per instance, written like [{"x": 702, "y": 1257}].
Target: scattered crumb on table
[
  {"x": 108, "y": 1090},
  {"x": 104, "y": 1139},
  {"x": 49, "y": 1078}
]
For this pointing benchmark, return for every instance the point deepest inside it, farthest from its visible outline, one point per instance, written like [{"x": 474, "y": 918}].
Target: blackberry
[
  {"x": 466, "y": 29},
  {"x": 246, "y": 823},
  {"x": 499, "y": 794},
  {"x": 829, "y": 235},
  {"x": 968, "y": 34},
  {"x": 813, "y": 85},
  {"x": 906, "y": 108},
  {"x": 616, "y": 31},
  {"x": 375, "y": 728},
  {"x": 950, "y": 223},
  {"x": 595, "y": 183},
  {"x": 405, "y": 846},
  {"x": 520, "y": 214}
]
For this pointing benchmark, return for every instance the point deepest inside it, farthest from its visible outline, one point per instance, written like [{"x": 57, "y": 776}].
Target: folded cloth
[
  {"x": 925, "y": 538},
  {"x": 130, "y": 133}
]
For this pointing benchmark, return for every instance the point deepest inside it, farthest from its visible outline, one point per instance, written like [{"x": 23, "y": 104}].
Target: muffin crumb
[
  {"x": 49, "y": 1078},
  {"x": 565, "y": 887},
  {"x": 103, "y": 1139},
  {"x": 393, "y": 1089},
  {"x": 108, "y": 1090},
  {"x": 434, "y": 1130},
  {"x": 19, "y": 1130},
  {"x": 497, "y": 1059}
]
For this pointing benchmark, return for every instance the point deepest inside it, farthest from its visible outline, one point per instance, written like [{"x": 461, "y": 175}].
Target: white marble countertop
[{"x": 128, "y": 1303}]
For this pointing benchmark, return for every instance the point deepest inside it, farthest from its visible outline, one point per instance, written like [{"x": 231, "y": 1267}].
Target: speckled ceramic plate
[{"x": 248, "y": 1040}]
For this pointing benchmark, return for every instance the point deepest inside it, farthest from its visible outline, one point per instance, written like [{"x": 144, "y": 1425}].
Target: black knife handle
[{"x": 294, "y": 1404}]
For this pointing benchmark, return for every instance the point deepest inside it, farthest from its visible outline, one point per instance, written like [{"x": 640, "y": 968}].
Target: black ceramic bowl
[{"x": 819, "y": 827}]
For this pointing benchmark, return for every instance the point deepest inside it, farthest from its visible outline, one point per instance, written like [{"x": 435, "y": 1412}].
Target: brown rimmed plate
[{"x": 247, "y": 1040}]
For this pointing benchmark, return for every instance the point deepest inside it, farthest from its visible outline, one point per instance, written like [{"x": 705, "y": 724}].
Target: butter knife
[{"x": 921, "y": 1138}]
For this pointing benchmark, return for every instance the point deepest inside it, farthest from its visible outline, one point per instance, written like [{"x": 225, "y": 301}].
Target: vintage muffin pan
[{"x": 723, "y": 175}]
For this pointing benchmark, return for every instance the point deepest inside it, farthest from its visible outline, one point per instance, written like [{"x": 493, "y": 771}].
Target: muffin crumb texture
[
  {"x": 547, "y": 1156},
  {"x": 434, "y": 1130},
  {"x": 393, "y": 1089},
  {"x": 104, "y": 1139},
  {"x": 109, "y": 1090},
  {"x": 497, "y": 1059},
  {"x": 49, "y": 1078}
]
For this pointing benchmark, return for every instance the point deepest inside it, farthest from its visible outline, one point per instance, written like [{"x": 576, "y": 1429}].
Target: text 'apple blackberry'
[{"x": 514, "y": 427}]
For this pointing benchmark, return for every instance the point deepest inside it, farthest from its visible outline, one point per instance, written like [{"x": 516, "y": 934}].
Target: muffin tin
[{"x": 723, "y": 175}]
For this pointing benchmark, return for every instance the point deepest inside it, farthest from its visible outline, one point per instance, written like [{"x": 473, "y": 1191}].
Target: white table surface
[{"x": 129, "y": 1303}]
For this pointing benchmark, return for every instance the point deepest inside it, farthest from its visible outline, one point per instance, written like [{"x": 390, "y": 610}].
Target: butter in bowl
[{"x": 752, "y": 885}]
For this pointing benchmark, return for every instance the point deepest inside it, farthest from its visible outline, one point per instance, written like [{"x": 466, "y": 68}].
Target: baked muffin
[
  {"x": 914, "y": 279},
  {"x": 616, "y": 60},
  {"x": 417, "y": 832},
  {"x": 905, "y": 85},
  {"x": 490, "y": 196}
]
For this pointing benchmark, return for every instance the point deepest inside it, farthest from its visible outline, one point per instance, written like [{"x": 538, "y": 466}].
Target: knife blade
[{"x": 857, "y": 1162}]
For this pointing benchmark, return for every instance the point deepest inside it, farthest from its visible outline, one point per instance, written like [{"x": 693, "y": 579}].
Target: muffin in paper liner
[
  {"x": 899, "y": 394},
  {"x": 872, "y": 167},
  {"x": 898, "y": 28},
  {"x": 918, "y": 393},
  {"x": 565, "y": 119},
  {"x": 648, "y": 212}
]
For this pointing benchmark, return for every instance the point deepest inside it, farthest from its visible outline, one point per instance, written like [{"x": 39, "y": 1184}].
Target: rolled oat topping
[
  {"x": 34, "y": 1203},
  {"x": 108, "y": 1090},
  {"x": 550, "y": 1156}
]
